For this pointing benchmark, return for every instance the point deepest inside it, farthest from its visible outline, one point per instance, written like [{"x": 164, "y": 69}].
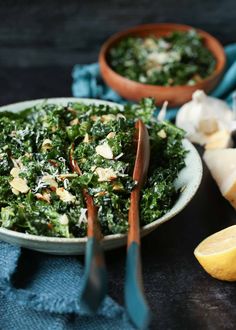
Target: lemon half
[{"x": 217, "y": 254}]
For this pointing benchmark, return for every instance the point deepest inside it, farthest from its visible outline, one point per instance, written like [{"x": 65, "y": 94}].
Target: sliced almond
[
  {"x": 101, "y": 193},
  {"x": 93, "y": 168},
  {"x": 86, "y": 138},
  {"x": 17, "y": 163},
  {"x": 54, "y": 129},
  {"x": 117, "y": 187},
  {"x": 20, "y": 185},
  {"x": 74, "y": 122},
  {"x": 106, "y": 118},
  {"x": 49, "y": 180},
  {"x": 15, "y": 192},
  {"x": 13, "y": 133},
  {"x": 65, "y": 195},
  {"x": 105, "y": 174},
  {"x": 28, "y": 155},
  {"x": 46, "y": 145},
  {"x": 111, "y": 135},
  {"x": 15, "y": 171},
  {"x": 94, "y": 118},
  {"x": 67, "y": 175},
  {"x": 44, "y": 197},
  {"x": 104, "y": 150},
  {"x": 162, "y": 134}
]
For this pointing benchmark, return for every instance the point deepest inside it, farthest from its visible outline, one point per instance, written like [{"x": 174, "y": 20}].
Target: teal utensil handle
[
  {"x": 95, "y": 277},
  {"x": 135, "y": 301}
]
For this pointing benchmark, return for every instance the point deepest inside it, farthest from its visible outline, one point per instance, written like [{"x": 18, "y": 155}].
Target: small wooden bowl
[{"x": 175, "y": 95}]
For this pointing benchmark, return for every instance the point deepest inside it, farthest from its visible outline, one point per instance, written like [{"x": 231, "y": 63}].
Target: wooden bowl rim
[{"x": 219, "y": 55}]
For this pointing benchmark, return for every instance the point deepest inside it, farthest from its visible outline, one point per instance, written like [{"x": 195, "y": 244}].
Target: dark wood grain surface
[{"x": 40, "y": 41}]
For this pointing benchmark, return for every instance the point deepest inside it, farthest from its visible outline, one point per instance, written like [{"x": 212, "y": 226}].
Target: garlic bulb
[{"x": 203, "y": 117}]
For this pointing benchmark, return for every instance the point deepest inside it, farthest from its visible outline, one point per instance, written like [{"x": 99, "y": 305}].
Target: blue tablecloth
[{"x": 39, "y": 291}]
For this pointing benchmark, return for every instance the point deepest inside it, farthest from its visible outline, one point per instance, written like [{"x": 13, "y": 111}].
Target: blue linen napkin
[
  {"x": 87, "y": 82},
  {"x": 39, "y": 291}
]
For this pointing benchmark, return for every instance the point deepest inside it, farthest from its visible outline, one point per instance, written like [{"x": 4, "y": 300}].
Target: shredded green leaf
[
  {"x": 180, "y": 58},
  {"x": 41, "y": 194}
]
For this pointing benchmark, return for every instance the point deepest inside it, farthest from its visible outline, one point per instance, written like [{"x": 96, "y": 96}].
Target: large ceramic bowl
[
  {"x": 189, "y": 177},
  {"x": 175, "y": 95}
]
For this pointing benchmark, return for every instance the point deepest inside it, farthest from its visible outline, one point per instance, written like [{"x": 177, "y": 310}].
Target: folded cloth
[
  {"x": 39, "y": 291},
  {"x": 87, "y": 82}
]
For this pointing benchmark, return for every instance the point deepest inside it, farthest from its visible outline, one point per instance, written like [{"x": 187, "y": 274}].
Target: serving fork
[
  {"x": 135, "y": 301},
  {"x": 94, "y": 287},
  {"x": 95, "y": 280}
]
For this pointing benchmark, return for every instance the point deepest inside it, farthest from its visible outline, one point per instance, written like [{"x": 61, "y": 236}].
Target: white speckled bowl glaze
[{"x": 189, "y": 177}]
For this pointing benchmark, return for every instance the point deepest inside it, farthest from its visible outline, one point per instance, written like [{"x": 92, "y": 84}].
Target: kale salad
[
  {"x": 41, "y": 194},
  {"x": 180, "y": 58}
]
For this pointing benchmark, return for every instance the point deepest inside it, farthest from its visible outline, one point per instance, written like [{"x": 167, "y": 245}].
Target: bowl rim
[
  {"x": 114, "y": 237},
  {"x": 220, "y": 59}
]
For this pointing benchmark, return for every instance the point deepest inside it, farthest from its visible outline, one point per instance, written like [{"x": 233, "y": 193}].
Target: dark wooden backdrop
[
  {"x": 40, "y": 41},
  {"x": 49, "y": 34}
]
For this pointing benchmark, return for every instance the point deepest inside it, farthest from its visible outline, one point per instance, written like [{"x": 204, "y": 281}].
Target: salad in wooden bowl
[{"x": 163, "y": 61}]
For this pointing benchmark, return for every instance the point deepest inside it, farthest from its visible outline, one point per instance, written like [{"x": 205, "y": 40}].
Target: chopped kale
[
  {"x": 180, "y": 58},
  {"x": 39, "y": 192}
]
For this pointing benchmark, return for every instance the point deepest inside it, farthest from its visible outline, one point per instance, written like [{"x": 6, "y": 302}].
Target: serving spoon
[
  {"x": 95, "y": 277},
  {"x": 135, "y": 301}
]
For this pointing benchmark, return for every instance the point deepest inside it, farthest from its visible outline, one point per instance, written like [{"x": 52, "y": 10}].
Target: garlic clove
[
  {"x": 202, "y": 116},
  {"x": 208, "y": 125},
  {"x": 222, "y": 165}
]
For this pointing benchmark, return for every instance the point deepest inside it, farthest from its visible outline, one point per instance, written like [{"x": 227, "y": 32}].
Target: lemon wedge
[{"x": 217, "y": 254}]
